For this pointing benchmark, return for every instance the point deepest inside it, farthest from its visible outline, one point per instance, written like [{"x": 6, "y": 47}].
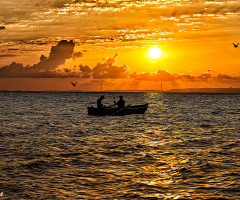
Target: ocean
[{"x": 185, "y": 146}]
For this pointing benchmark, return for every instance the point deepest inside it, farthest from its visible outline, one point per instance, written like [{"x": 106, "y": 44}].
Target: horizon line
[{"x": 184, "y": 90}]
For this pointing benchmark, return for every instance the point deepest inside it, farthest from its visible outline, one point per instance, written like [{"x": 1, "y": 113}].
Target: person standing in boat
[
  {"x": 99, "y": 102},
  {"x": 121, "y": 102}
]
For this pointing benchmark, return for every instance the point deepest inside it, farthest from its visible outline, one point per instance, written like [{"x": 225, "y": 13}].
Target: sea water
[{"x": 186, "y": 146}]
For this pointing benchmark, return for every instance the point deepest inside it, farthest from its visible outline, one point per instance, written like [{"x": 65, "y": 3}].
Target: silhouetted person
[
  {"x": 121, "y": 102},
  {"x": 74, "y": 84},
  {"x": 235, "y": 45},
  {"x": 99, "y": 102}
]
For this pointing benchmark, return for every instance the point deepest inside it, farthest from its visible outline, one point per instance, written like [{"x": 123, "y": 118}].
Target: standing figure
[
  {"x": 121, "y": 102},
  {"x": 99, "y": 102}
]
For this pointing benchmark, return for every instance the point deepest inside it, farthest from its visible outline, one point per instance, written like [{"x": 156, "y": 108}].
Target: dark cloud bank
[{"x": 47, "y": 68}]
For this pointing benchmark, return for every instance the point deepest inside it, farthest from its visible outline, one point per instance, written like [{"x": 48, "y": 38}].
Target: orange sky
[{"x": 94, "y": 42}]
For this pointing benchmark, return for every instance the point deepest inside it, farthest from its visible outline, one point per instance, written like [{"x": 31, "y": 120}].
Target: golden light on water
[{"x": 155, "y": 53}]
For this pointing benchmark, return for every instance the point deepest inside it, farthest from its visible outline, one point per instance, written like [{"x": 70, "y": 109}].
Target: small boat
[{"x": 127, "y": 110}]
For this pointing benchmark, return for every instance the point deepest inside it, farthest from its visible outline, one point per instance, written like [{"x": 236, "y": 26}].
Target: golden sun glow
[{"x": 155, "y": 53}]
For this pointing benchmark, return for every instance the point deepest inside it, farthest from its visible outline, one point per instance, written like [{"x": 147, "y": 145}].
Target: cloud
[
  {"x": 7, "y": 55},
  {"x": 77, "y": 55},
  {"x": 227, "y": 78},
  {"x": 57, "y": 56},
  {"x": 111, "y": 60},
  {"x": 86, "y": 71},
  {"x": 46, "y": 68},
  {"x": 109, "y": 70},
  {"x": 152, "y": 20},
  {"x": 160, "y": 75},
  {"x": 17, "y": 70},
  {"x": 105, "y": 70},
  {"x": 67, "y": 70},
  {"x": 46, "y": 4}
]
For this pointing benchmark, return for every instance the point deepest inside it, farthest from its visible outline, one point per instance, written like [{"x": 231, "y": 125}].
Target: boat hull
[{"x": 128, "y": 110}]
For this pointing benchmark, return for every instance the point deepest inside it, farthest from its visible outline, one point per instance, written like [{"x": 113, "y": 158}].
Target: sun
[{"x": 155, "y": 53}]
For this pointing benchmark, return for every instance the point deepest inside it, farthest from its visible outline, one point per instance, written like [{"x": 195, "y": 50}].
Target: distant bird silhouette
[
  {"x": 235, "y": 45},
  {"x": 74, "y": 84}
]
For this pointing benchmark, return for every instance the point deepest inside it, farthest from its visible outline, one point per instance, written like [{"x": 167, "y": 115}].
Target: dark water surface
[{"x": 186, "y": 146}]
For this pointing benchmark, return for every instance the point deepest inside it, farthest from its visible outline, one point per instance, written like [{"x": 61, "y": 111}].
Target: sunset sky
[{"x": 46, "y": 45}]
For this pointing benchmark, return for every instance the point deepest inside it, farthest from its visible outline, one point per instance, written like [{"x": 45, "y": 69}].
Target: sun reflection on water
[{"x": 161, "y": 169}]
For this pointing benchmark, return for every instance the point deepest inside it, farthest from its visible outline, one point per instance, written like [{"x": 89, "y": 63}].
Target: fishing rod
[{"x": 114, "y": 100}]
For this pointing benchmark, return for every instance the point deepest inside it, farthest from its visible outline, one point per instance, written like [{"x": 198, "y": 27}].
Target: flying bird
[
  {"x": 74, "y": 84},
  {"x": 235, "y": 45}
]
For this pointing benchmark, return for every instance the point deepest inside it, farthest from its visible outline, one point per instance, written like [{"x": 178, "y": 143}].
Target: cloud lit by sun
[{"x": 185, "y": 38}]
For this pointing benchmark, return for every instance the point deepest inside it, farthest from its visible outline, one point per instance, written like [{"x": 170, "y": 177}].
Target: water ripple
[{"x": 186, "y": 146}]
